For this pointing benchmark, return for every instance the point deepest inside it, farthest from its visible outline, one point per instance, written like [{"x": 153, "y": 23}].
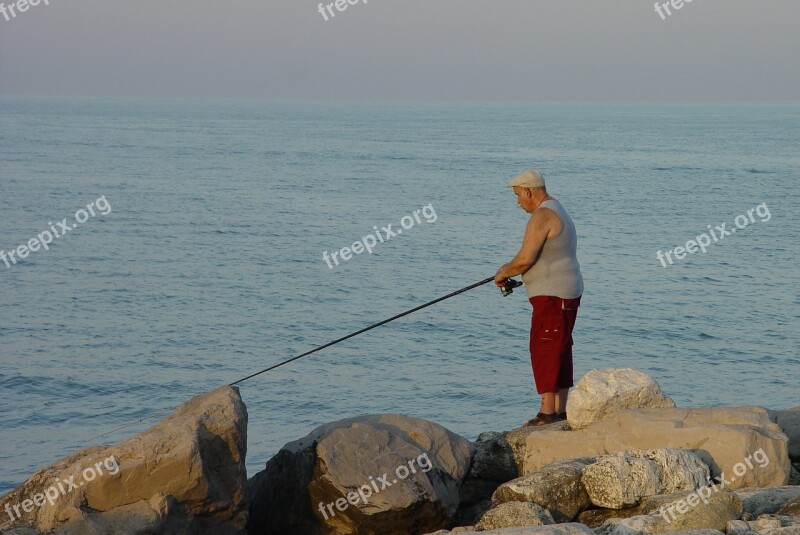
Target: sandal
[{"x": 542, "y": 419}]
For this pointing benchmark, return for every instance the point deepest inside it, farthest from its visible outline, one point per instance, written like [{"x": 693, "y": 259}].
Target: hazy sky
[{"x": 405, "y": 49}]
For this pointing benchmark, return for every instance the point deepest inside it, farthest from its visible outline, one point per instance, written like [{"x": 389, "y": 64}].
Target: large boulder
[
  {"x": 184, "y": 475},
  {"x": 514, "y": 514},
  {"x": 557, "y": 487},
  {"x": 622, "y": 479},
  {"x": 360, "y": 475},
  {"x": 742, "y": 443},
  {"x": 600, "y": 394}
]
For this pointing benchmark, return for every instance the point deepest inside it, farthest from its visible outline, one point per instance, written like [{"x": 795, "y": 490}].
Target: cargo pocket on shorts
[{"x": 549, "y": 327}]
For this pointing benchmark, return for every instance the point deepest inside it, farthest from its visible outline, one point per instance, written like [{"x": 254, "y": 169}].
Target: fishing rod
[{"x": 506, "y": 289}]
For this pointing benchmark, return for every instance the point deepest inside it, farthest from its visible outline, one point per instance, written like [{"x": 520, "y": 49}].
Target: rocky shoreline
[{"x": 626, "y": 462}]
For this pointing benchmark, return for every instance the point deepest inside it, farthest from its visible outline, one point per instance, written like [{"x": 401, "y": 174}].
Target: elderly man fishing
[{"x": 552, "y": 276}]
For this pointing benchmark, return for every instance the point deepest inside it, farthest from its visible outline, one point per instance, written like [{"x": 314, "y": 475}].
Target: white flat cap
[{"x": 528, "y": 179}]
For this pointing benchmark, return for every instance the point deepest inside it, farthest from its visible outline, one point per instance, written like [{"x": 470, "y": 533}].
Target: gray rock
[
  {"x": 185, "y": 474},
  {"x": 766, "y": 525},
  {"x": 494, "y": 459},
  {"x": 470, "y": 514},
  {"x": 789, "y": 422},
  {"x": 514, "y": 514},
  {"x": 594, "y": 518},
  {"x": 553, "y": 529},
  {"x": 794, "y": 477},
  {"x": 715, "y": 512},
  {"x": 600, "y": 394},
  {"x": 476, "y": 490},
  {"x": 556, "y": 486},
  {"x": 651, "y": 505},
  {"x": 739, "y": 527},
  {"x": 765, "y": 501},
  {"x": 313, "y": 484},
  {"x": 623, "y": 479},
  {"x": 791, "y": 508},
  {"x": 697, "y": 532}
]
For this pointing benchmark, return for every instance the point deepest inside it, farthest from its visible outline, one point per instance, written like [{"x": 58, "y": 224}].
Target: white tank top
[{"x": 556, "y": 272}]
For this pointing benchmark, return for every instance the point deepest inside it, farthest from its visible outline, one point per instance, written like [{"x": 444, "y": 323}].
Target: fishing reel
[{"x": 509, "y": 285}]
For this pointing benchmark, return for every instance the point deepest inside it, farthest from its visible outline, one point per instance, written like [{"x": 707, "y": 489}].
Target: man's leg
[
  {"x": 565, "y": 378},
  {"x": 545, "y": 359},
  {"x": 549, "y": 402},
  {"x": 560, "y": 400}
]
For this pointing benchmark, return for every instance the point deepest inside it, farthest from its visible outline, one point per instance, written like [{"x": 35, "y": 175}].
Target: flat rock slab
[{"x": 724, "y": 438}]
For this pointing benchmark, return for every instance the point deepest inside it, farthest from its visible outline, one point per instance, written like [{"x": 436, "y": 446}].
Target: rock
[
  {"x": 494, "y": 459},
  {"x": 518, "y": 440},
  {"x": 697, "y": 532},
  {"x": 651, "y": 505},
  {"x": 556, "y": 486},
  {"x": 738, "y": 527},
  {"x": 791, "y": 508},
  {"x": 724, "y": 438},
  {"x": 600, "y": 394},
  {"x": 553, "y": 529},
  {"x": 514, "y": 514},
  {"x": 683, "y": 514},
  {"x": 185, "y": 474},
  {"x": 759, "y": 502},
  {"x": 361, "y": 475},
  {"x": 594, "y": 518},
  {"x": 470, "y": 514},
  {"x": 789, "y": 422},
  {"x": 766, "y": 525},
  {"x": 476, "y": 490},
  {"x": 794, "y": 477},
  {"x": 621, "y": 480}
]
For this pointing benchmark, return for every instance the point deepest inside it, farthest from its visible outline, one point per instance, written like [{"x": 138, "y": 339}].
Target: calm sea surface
[{"x": 209, "y": 265}]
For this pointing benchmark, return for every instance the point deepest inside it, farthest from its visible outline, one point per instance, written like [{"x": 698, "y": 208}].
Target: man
[{"x": 549, "y": 267}]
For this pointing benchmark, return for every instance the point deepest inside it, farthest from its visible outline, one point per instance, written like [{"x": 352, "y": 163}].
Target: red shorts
[{"x": 552, "y": 322}]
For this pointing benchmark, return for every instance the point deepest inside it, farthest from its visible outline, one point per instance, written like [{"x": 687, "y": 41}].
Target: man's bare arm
[{"x": 539, "y": 226}]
